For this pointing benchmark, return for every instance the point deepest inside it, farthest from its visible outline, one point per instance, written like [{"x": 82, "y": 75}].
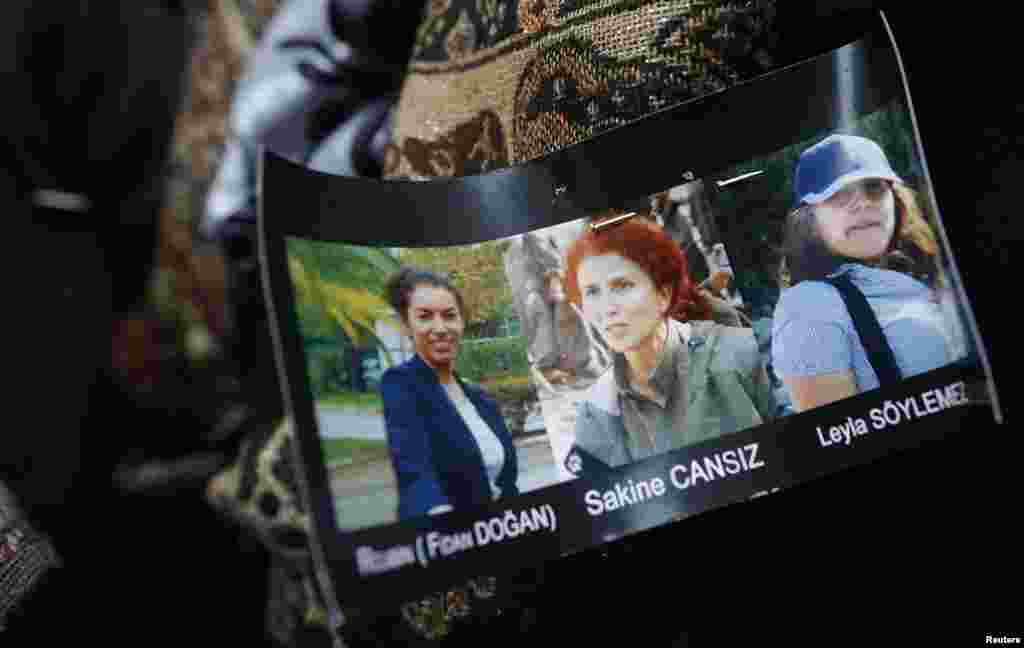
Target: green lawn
[{"x": 353, "y": 451}]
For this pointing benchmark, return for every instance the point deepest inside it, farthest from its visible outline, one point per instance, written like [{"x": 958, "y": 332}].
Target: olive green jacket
[{"x": 726, "y": 389}]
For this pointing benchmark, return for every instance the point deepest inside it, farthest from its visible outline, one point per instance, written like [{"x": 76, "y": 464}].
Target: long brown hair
[
  {"x": 914, "y": 249},
  {"x": 650, "y": 247}
]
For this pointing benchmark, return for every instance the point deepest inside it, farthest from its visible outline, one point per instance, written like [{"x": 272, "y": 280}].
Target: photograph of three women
[{"x": 446, "y": 378}]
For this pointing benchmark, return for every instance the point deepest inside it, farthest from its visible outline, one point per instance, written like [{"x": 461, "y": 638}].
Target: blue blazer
[{"x": 436, "y": 458}]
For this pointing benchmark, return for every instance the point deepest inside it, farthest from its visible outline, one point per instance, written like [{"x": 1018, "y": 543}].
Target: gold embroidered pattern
[
  {"x": 537, "y": 15},
  {"x": 437, "y": 8},
  {"x": 462, "y": 39},
  {"x": 573, "y": 69},
  {"x": 492, "y": 17},
  {"x": 476, "y": 146}
]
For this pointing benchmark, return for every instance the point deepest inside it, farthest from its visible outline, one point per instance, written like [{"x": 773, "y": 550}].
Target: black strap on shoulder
[
  {"x": 581, "y": 462},
  {"x": 870, "y": 331}
]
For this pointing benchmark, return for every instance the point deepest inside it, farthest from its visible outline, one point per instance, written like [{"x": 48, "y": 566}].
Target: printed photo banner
[{"x": 516, "y": 366}]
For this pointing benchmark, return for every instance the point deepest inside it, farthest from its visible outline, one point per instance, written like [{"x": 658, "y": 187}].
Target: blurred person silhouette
[
  {"x": 318, "y": 89},
  {"x": 560, "y": 345},
  {"x": 88, "y": 544}
]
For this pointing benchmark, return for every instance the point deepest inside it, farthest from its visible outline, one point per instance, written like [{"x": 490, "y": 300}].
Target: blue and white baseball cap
[{"x": 836, "y": 162}]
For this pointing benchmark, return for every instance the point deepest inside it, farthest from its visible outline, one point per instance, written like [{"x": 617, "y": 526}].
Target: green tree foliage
[
  {"x": 340, "y": 290},
  {"x": 339, "y": 298},
  {"x": 479, "y": 361},
  {"x": 340, "y": 286},
  {"x": 477, "y": 272},
  {"x": 345, "y": 265},
  {"x": 327, "y": 366}
]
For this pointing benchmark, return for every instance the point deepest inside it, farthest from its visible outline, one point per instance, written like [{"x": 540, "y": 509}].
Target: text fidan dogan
[
  {"x": 435, "y": 544},
  {"x": 681, "y": 476}
]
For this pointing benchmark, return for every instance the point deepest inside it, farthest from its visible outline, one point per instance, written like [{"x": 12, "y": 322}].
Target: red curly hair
[{"x": 647, "y": 245}]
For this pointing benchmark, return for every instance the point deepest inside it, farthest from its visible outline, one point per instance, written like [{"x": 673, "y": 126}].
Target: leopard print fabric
[{"x": 260, "y": 490}]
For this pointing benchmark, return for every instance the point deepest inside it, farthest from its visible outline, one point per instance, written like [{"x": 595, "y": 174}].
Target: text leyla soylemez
[
  {"x": 681, "y": 476},
  {"x": 436, "y": 544},
  {"x": 894, "y": 412}
]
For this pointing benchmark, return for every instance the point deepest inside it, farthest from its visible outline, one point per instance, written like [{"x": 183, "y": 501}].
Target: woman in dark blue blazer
[{"x": 449, "y": 444}]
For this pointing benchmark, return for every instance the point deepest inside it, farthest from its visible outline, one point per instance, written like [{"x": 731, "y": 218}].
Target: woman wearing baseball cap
[{"x": 863, "y": 304}]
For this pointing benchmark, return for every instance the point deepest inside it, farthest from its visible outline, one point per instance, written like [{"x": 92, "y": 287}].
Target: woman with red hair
[{"x": 678, "y": 376}]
